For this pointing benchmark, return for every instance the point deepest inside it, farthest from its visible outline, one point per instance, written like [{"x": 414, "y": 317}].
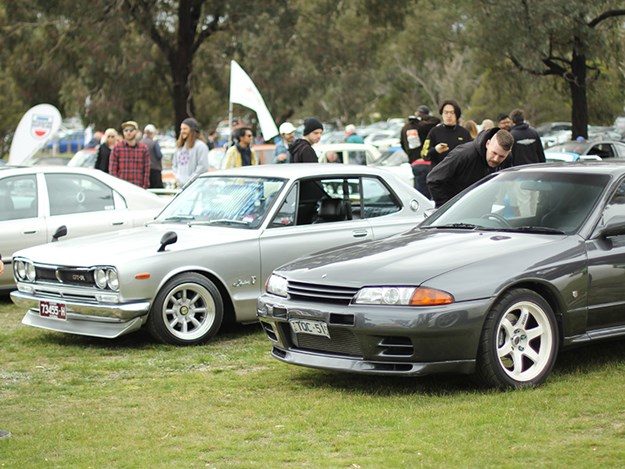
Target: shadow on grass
[{"x": 138, "y": 340}]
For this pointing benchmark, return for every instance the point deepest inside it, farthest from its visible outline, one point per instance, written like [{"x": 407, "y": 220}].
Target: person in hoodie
[
  {"x": 302, "y": 150},
  {"x": 468, "y": 163},
  {"x": 446, "y": 136},
  {"x": 528, "y": 148}
]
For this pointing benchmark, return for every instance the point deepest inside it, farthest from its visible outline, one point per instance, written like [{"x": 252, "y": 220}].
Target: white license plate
[
  {"x": 307, "y": 326},
  {"x": 49, "y": 309}
]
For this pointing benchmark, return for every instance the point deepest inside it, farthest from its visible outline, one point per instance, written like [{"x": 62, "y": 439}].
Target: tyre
[
  {"x": 188, "y": 310},
  {"x": 519, "y": 341}
]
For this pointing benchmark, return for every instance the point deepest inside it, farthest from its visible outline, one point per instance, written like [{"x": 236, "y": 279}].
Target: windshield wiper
[
  {"x": 180, "y": 218},
  {"x": 535, "y": 229},
  {"x": 227, "y": 221},
  {"x": 462, "y": 226}
]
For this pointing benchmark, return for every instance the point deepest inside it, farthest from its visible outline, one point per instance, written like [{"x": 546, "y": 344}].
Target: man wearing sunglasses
[
  {"x": 130, "y": 159},
  {"x": 241, "y": 153}
]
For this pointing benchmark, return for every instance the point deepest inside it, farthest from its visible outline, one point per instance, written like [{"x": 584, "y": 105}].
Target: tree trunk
[{"x": 579, "y": 100}]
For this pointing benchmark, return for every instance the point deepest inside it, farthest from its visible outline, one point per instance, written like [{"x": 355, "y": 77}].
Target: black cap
[
  {"x": 311, "y": 124},
  {"x": 192, "y": 123},
  {"x": 423, "y": 109}
]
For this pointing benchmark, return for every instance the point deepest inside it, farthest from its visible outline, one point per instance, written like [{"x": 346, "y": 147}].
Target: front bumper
[
  {"x": 398, "y": 340},
  {"x": 108, "y": 320}
]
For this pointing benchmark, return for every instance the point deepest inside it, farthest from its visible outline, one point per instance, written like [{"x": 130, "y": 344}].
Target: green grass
[{"x": 79, "y": 402}]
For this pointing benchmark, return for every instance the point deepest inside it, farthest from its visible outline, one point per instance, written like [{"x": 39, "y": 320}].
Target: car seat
[{"x": 332, "y": 210}]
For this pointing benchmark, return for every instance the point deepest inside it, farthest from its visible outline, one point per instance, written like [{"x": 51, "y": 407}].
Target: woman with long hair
[{"x": 104, "y": 150}]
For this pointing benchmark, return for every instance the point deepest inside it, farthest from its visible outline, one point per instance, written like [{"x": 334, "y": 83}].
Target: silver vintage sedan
[
  {"x": 205, "y": 258},
  {"x": 36, "y": 201}
]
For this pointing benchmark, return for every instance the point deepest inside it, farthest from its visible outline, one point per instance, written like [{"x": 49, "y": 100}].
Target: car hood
[
  {"x": 416, "y": 256},
  {"x": 135, "y": 243}
]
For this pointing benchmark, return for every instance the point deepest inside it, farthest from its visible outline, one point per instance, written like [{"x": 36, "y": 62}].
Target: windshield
[
  {"x": 540, "y": 202},
  {"x": 395, "y": 158},
  {"x": 240, "y": 202}
]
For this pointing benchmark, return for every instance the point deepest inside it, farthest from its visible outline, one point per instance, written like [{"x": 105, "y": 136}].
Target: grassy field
[{"x": 79, "y": 402}]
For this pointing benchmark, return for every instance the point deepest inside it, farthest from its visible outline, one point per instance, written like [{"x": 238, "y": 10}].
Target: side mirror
[
  {"x": 59, "y": 233},
  {"x": 614, "y": 227},
  {"x": 168, "y": 238}
]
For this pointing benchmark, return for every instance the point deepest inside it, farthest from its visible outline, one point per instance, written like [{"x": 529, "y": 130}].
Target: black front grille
[
  {"x": 78, "y": 276},
  {"x": 343, "y": 342},
  {"x": 321, "y": 293}
]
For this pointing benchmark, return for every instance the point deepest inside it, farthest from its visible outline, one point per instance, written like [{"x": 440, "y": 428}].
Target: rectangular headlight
[{"x": 277, "y": 285}]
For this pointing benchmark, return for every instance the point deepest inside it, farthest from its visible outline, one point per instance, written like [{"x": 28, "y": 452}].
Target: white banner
[
  {"x": 36, "y": 127},
  {"x": 244, "y": 92}
]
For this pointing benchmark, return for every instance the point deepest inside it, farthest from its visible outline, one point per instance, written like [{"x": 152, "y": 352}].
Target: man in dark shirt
[
  {"x": 154, "y": 149},
  {"x": 528, "y": 148},
  {"x": 302, "y": 150},
  {"x": 468, "y": 163}
]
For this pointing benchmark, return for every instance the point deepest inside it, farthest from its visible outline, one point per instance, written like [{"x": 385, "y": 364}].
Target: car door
[
  {"x": 606, "y": 269},
  {"x": 84, "y": 204},
  {"x": 294, "y": 230},
  {"x": 21, "y": 225}
]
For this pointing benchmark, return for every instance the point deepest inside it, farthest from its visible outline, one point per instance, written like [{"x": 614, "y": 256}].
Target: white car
[
  {"x": 348, "y": 153},
  {"x": 35, "y": 201}
]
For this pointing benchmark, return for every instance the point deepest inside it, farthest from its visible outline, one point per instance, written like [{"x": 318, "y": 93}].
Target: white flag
[
  {"x": 244, "y": 92},
  {"x": 36, "y": 127}
]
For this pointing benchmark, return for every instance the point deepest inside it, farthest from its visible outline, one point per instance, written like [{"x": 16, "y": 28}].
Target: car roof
[
  {"x": 611, "y": 167},
  {"x": 300, "y": 170}
]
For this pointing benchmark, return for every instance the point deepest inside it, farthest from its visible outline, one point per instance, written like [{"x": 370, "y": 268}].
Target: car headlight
[
  {"x": 406, "y": 296},
  {"x": 31, "y": 273},
  {"x": 106, "y": 277},
  {"x": 24, "y": 270},
  {"x": 20, "y": 270},
  {"x": 277, "y": 285}
]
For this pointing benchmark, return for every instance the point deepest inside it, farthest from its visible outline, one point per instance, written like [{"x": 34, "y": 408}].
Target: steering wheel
[{"x": 494, "y": 216}]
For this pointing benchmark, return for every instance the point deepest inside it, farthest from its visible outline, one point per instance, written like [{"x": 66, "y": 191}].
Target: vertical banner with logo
[
  {"x": 244, "y": 92},
  {"x": 36, "y": 127}
]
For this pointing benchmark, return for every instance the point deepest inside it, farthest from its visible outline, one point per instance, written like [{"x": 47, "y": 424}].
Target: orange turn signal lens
[
  {"x": 142, "y": 276},
  {"x": 430, "y": 297}
]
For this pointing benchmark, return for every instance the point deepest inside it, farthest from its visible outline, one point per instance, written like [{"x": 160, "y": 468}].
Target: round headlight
[
  {"x": 31, "y": 273},
  {"x": 100, "y": 277},
  {"x": 20, "y": 270},
  {"x": 112, "y": 279}
]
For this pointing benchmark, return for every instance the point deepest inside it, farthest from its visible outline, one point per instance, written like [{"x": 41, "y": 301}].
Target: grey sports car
[
  {"x": 520, "y": 265},
  {"x": 206, "y": 256}
]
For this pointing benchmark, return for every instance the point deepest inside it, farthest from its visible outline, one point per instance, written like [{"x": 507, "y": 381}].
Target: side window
[
  {"x": 18, "y": 197},
  {"x": 286, "y": 213},
  {"x": 358, "y": 157},
  {"x": 616, "y": 205},
  {"x": 74, "y": 193},
  {"x": 377, "y": 199}
]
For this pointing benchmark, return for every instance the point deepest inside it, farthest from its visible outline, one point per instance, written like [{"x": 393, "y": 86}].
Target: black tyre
[
  {"x": 187, "y": 311},
  {"x": 519, "y": 341}
]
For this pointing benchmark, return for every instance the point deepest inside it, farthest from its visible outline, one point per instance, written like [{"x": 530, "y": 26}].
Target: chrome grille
[{"x": 321, "y": 293}]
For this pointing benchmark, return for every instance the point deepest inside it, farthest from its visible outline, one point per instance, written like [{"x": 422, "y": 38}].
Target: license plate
[
  {"x": 307, "y": 326},
  {"x": 49, "y": 309}
]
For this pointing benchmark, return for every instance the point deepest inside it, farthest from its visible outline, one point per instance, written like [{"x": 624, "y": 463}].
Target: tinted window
[{"x": 18, "y": 197}]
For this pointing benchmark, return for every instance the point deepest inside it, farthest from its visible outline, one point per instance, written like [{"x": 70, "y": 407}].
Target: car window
[
  {"x": 77, "y": 193},
  {"x": 357, "y": 157},
  {"x": 18, "y": 197},
  {"x": 286, "y": 213},
  {"x": 377, "y": 199},
  {"x": 602, "y": 150},
  {"x": 616, "y": 205}
]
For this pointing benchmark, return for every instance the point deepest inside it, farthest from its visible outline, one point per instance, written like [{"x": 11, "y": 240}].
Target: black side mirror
[
  {"x": 168, "y": 238},
  {"x": 59, "y": 233}
]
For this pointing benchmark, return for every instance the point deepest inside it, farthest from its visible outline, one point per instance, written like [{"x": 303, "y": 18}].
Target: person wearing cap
[
  {"x": 351, "y": 136},
  {"x": 191, "y": 156},
  {"x": 282, "y": 153},
  {"x": 154, "y": 149},
  {"x": 109, "y": 139},
  {"x": 302, "y": 150},
  {"x": 414, "y": 133},
  {"x": 446, "y": 136},
  {"x": 130, "y": 159},
  {"x": 241, "y": 153}
]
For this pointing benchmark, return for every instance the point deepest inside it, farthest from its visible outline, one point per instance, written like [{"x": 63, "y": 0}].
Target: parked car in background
[
  {"x": 205, "y": 258},
  {"x": 35, "y": 201},
  {"x": 568, "y": 157},
  {"x": 84, "y": 158},
  {"x": 605, "y": 149},
  {"x": 348, "y": 153},
  {"x": 396, "y": 160},
  {"x": 524, "y": 263}
]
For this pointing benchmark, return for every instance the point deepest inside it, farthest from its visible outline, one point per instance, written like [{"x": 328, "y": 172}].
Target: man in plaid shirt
[{"x": 130, "y": 159}]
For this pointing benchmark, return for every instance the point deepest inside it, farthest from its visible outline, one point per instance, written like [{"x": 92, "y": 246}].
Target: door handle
[
  {"x": 117, "y": 223},
  {"x": 360, "y": 233},
  {"x": 30, "y": 232}
]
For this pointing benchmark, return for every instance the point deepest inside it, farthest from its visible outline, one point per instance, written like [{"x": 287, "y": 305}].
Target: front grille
[
  {"x": 321, "y": 293},
  {"x": 77, "y": 276},
  {"x": 343, "y": 342}
]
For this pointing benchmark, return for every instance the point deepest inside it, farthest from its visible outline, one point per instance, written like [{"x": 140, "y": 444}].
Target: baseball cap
[
  {"x": 286, "y": 128},
  {"x": 149, "y": 129},
  {"x": 130, "y": 124}
]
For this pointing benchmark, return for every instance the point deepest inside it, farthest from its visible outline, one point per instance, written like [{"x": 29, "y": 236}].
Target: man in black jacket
[
  {"x": 301, "y": 150},
  {"x": 468, "y": 163},
  {"x": 447, "y": 136},
  {"x": 528, "y": 148}
]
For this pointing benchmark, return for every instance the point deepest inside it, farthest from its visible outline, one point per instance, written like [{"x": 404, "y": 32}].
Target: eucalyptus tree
[{"x": 574, "y": 40}]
